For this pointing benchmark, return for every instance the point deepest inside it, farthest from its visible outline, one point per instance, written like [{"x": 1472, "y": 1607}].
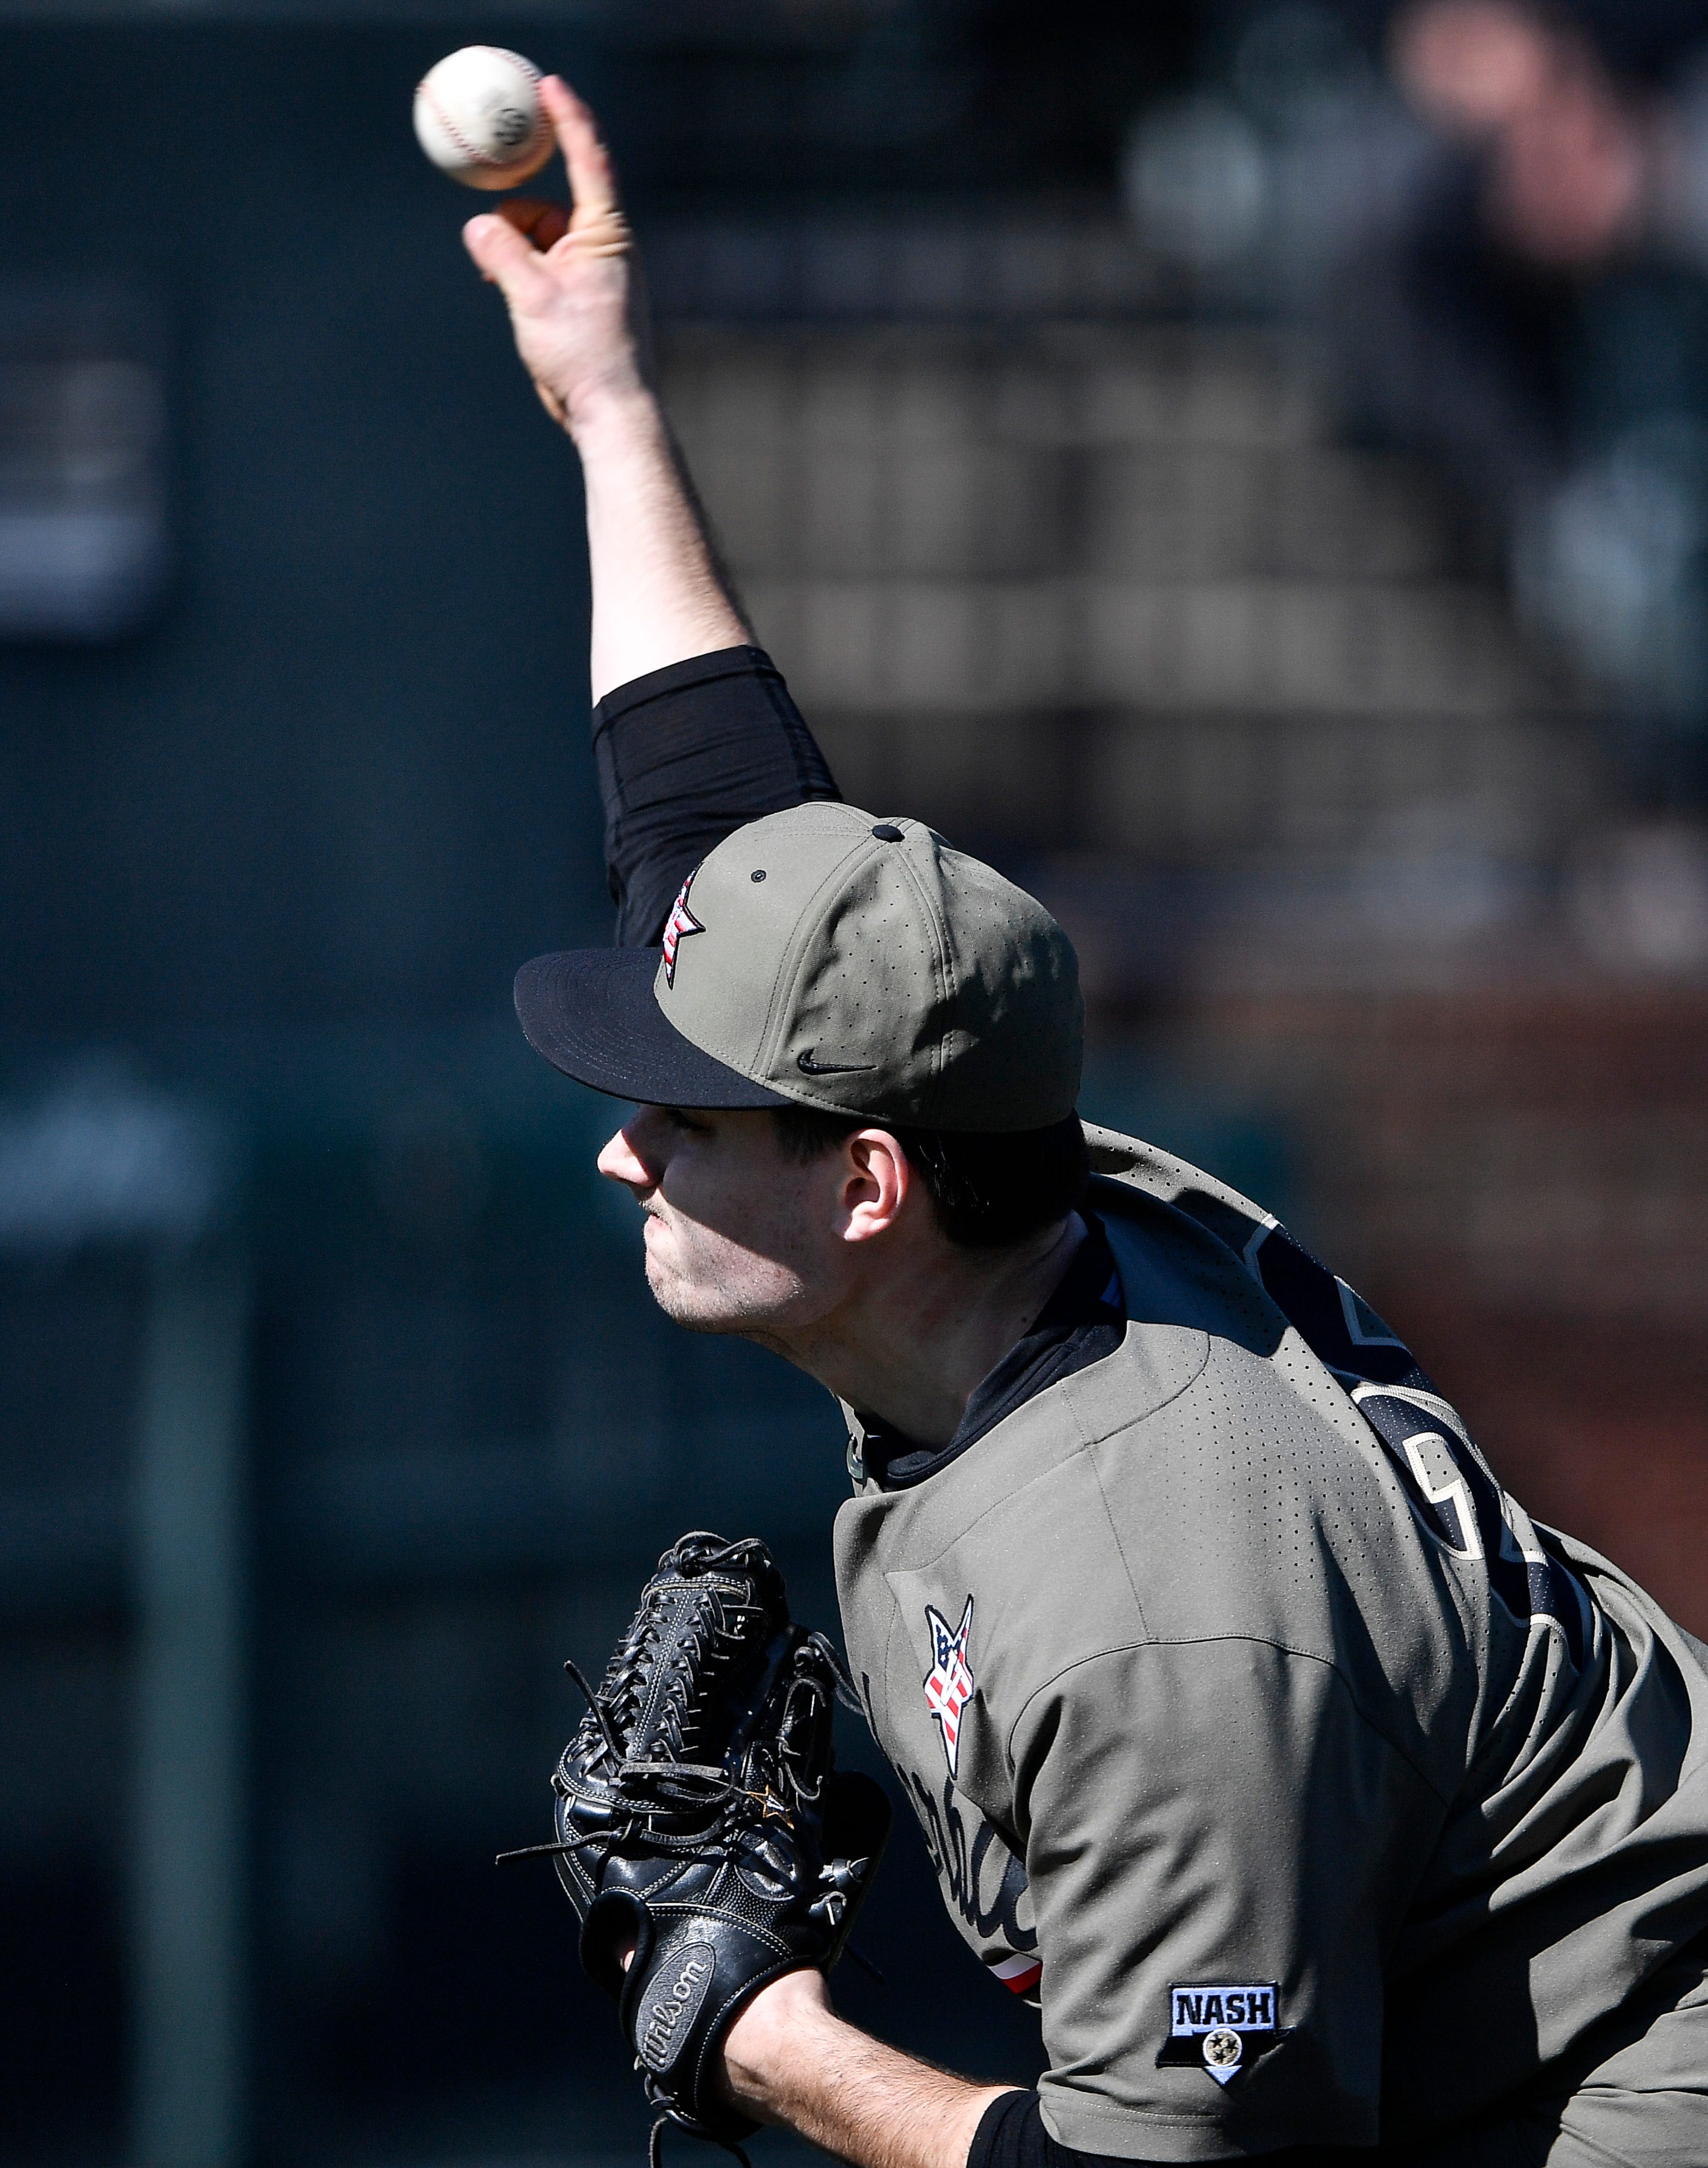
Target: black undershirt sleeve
[
  {"x": 685, "y": 756},
  {"x": 1011, "y": 2134}
]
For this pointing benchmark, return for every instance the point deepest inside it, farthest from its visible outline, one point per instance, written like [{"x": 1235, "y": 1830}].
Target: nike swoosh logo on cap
[{"x": 808, "y": 1067}]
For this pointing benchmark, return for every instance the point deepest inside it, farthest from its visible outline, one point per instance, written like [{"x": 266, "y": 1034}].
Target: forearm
[
  {"x": 658, "y": 595},
  {"x": 569, "y": 286},
  {"x": 790, "y": 2059}
]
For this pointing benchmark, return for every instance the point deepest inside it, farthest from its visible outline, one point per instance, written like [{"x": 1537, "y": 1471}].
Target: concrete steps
[{"x": 1112, "y": 587}]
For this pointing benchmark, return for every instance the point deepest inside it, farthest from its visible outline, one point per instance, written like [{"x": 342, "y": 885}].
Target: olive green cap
[{"x": 825, "y": 958}]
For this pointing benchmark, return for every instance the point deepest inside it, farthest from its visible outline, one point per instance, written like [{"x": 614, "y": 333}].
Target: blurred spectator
[{"x": 1534, "y": 314}]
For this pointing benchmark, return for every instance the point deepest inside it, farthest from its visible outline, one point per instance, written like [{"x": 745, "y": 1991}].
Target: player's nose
[{"x": 620, "y": 1161}]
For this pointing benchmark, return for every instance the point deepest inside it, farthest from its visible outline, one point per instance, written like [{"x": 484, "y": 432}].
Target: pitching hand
[{"x": 567, "y": 281}]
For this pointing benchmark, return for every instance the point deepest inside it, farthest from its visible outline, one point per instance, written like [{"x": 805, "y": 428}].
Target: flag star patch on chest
[
  {"x": 1222, "y": 2027},
  {"x": 678, "y": 927},
  {"x": 949, "y": 1683}
]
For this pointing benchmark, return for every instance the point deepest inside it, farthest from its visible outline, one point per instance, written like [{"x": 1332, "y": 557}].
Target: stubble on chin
[
  {"x": 718, "y": 1300},
  {"x": 696, "y": 1309},
  {"x": 668, "y": 1298}
]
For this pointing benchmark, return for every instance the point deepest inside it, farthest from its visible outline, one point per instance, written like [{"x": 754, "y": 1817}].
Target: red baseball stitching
[{"x": 475, "y": 155}]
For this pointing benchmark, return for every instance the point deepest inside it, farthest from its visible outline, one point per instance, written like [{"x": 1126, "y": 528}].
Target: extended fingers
[{"x": 592, "y": 185}]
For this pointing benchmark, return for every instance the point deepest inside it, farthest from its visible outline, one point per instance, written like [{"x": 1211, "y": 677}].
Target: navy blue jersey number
[{"x": 1451, "y": 1487}]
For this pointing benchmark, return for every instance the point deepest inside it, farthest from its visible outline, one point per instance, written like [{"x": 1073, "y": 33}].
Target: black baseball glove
[{"x": 701, "y": 1821}]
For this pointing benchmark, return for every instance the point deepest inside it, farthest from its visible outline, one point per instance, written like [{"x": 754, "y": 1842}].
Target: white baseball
[{"x": 478, "y": 117}]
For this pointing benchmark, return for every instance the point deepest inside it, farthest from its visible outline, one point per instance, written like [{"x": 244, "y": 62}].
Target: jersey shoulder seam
[
  {"x": 1255, "y": 1640},
  {"x": 1087, "y": 1447},
  {"x": 1084, "y": 1444}
]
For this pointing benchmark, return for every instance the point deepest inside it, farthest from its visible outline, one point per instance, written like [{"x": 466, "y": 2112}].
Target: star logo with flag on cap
[
  {"x": 949, "y": 1683},
  {"x": 678, "y": 927}
]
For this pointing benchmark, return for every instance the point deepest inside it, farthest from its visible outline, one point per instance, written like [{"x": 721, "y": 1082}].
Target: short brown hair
[{"x": 988, "y": 1191}]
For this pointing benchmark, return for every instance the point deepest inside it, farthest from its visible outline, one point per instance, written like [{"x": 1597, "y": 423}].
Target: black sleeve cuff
[
  {"x": 1011, "y": 2134},
  {"x": 685, "y": 756}
]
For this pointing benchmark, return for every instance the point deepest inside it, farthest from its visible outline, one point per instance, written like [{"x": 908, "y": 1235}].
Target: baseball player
[{"x": 1317, "y": 1797}]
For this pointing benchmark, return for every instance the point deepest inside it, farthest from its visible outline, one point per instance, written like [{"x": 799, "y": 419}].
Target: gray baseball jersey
[{"x": 1315, "y": 1792}]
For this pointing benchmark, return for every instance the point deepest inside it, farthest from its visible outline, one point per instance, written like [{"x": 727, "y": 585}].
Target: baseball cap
[{"x": 821, "y": 956}]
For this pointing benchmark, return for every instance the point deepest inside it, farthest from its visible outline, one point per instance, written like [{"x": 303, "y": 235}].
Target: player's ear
[{"x": 877, "y": 1181}]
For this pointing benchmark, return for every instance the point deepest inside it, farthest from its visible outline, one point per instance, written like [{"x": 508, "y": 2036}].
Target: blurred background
[{"x": 1244, "y": 468}]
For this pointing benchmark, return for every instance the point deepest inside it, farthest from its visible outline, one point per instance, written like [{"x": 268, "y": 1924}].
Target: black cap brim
[{"x": 591, "y": 1013}]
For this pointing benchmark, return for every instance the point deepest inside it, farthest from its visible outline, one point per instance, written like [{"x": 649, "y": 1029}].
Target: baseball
[{"x": 478, "y": 117}]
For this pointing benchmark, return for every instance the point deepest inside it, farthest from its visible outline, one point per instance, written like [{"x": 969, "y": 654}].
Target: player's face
[{"x": 740, "y": 1236}]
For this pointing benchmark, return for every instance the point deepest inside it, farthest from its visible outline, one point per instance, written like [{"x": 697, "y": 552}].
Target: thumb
[{"x": 512, "y": 262}]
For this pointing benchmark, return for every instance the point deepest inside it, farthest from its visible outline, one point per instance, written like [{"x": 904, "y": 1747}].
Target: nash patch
[
  {"x": 949, "y": 1683},
  {"x": 1221, "y": 2027},
  {"x": 678, "y": 927}
]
